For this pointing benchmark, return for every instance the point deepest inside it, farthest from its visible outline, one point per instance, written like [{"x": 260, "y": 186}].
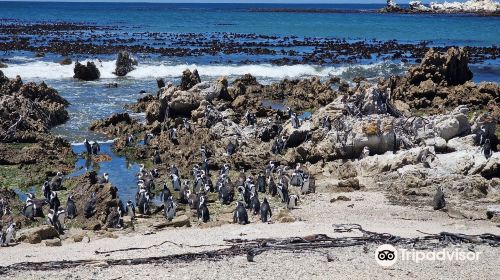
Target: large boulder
[
  {"x": 87, "y": 72},
  {"x": 116, "y": 125},
  {"x": 36, "y": 235},
  {"x": 124, "y": 63},
  {"x": 450, "y": 68}
]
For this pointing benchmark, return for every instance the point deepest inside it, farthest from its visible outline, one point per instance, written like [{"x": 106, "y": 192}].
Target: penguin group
[{"x": 92, "y": 148}]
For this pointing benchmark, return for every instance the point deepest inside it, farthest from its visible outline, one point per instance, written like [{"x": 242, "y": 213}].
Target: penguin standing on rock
[
  {"x": 265, "y": 211},
  {"x": 157, "y": 157},
  {"x": 88, "y": 147},
  {"x": 130, "y": 209},
  {"x": 439, "y": 201},
  {"x": 203, "y": 213},
  {"x": 96, "y": 148},
  {"x": 240, "y": 214},
  {"x": 56, "y": 182},
  {"x": 486, "y": 147},
  {"x": 7, "y": 236},
  {"x": 130, "y": 140},
  {"x": 46, "y": 189},
  {"x": 54, "y": 201},
  {"x": 55, "y": 218},
  {"x": 70, "y": 208},
  {"x": 90, "y": 205}
]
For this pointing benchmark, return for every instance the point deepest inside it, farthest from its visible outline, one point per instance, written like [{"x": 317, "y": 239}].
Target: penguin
[
  {"x": 270, "y": 167},
  {"x": 143, "y": 202},
  {"x": 96, "y": 148},
  {"x": 70, "y": 207},
  {"x": 265, "y": 211},
  {"x": 187, "y": 125},
  {"x": 226, "y": 194},
  {"x": 114, "y": 219},
  {"x": 203, "y": 213},
  {"x": 165, "y": 193},
  {"x": 184, "y": 193},
  {"x": 365, "y": 153},
  {"x": 53, "y": 219},
  {"x": 104, "y": 179},
  {"x": 205, "y": 153},
  {"x": 46, "y": 189},
  {"x": 297, "y": 180},
  {"x": 56, "y": 182},
  {"x": 240, "y": 214},
  {"x": 292, "y": 201},
  {"x": 157, "y": 157},
  {"x": 327, "y": 123},
  {"x": 283, "y": 192},
  {"x": 206, "y": 167},
  {"x": 169, "y": 209},
  {"x": 230, "y": 149},
  {"x": 3, "y": 207},
  {"x": 174, "y": 170},
  {"x": 261, "y": 183},
  {"x": 90, "y": 205},
  {"x": 9, "y": 235},
  {"x": 289, "y": 112},
  {"x": 130, "y": 209},
  {"x": 54, "y": 201},
  {"x": 147, "y": 138},
  {"x": 193, "y": 200},
  {"x": 254, "y": 203},
  {"x": 130, "y": 140},
  {"x": 487, "y": 151},
  {"x": 224, "y": 170},
  {"x": 176, "y": 182},
  {"x": 172, "y": 134},
  {"x": 439, "y": 200},
  {"x": 88, "y": 147},
  {"x": 295, "y": 121},
  {"x": 29, "y": 207},
  {"x": 273, "y": 189},
  {"x": 155, "y": 173}
]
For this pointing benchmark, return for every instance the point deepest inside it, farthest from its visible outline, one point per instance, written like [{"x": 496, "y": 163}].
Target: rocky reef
[
  {"x": 28, "y": 152},
  {"x": 482, "y": 7},
  {"x": 87, "y": 72},
  {"x": 124, "y": 63}
]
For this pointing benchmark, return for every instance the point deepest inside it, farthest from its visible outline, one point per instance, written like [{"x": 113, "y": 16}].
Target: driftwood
[{"x": 252, "y": 248}]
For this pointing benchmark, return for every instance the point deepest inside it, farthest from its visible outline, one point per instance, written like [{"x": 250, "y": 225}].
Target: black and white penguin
[
  {"x": 157, "y": 157},
  {"x": 174, "y": 170},
  {"x": 176, "y": 182},
  {"x": 230, "y": 149},
  {"x": 9, "y": 235},
  {"x": 165, "y": 193},
  {"x": 254, "y": 203},
  {"x": 147, "y": 138},
  {"x": 273, "y": 189},
  {"x": 155, "y": 173},
  {"x": 169, "y": 208},
  {"x": 187, "y": 125},
  {"x": 104, "y": 179},
  {"x": 295, "y": 121},
  {"x": 439, "y": 201},
  {"x": 46, "y": 189},
  {"x": 224, "y": 170},
  {"x": 143, "y": 202},
  {"x": 283, "y": 192},
  {"x": 193, "y": 200},
  {"x": 130, "y": 209},
  {"x": 56, "y": 182},
  {"x": 70, "y": 208},
  {"x": 88, "y": 147},
  {"x": 327, "y": 123},
  {"x": 206, "y": 166},
  {"x": 289, "y": 112},
  {"x": 292, "y": 201},
  {"x": 90, "y": 205},
  {"x": 487, "y": 151},
  {"x": 265, "y": 211},
  {"x": 226, "y": 193},
  {"x": 55, "y": 218},
  {"x": 365, "y": 153},
  {"x": 130, "y": 140},
  {"x": 309, "y": 185},
  {"x": 184, "y": 193},
  {"x": 203, "y": 213},
  {"x": 297, "y": 179},
  {"x": 114, "y": 219},
  {"x": 172, "y": 134},
  {"x": 54, "y": 201},
  {"x": 261, "y": 182},
  {"x": 240, "y": 214},
  {"x": 96, "y": 148}
]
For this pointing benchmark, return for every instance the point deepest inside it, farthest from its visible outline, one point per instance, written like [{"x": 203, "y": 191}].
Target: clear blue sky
[{"x": 233, "y": 1}]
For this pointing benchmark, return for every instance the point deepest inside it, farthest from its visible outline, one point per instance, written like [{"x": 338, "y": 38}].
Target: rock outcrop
[
  {"x": 189, "y": 79},
  {"x": 124, "y": 64},
  {"x": 87, "y": 72},
  {"x": 117, "y": 124}
]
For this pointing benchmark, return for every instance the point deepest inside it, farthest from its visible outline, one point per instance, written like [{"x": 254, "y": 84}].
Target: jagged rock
[
  {"x": 189, "y": 79},
  {"x": 36, "y": 235},
  {"x": 87, "y": 72},
  {"x": 124, "y": 64},
  {"x": 116, "y": 125}
]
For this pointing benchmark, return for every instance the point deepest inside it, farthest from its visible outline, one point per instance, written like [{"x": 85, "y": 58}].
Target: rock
[
  {"x": 86, "y": 73},
  {"x": 66, "y": 61},
  {"x": 284, "y": 216},
  {"x": 183, "y": 102},
  {"x": 189, "y": 79},
  {"x": 3, "y": 65},
  {"x": 160, "y": 83},
  {"x": 116, "y": 125},
  {"x": 493, "y": 211},
  {"x": 78, "y": 237},
  {"x": 340, "y": 198},
  {"x": 53, "y": 243},
  {"x": 36, "y": 235},
  {"x": 351, "y": 183},
  {"x": 180, "y": 221},
  {"x": 124, "y": 64}
]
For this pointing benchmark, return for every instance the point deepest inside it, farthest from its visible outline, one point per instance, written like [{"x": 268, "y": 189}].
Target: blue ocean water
[{"x": 242, "y": 18}]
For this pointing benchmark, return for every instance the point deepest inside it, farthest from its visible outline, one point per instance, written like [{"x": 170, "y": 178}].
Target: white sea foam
[{"x": 52, "y": 70}]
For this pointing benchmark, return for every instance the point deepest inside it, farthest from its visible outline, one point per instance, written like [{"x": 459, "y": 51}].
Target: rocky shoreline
[
  {"x": 489, "y": 8},
  {"x": 404, "y": 136}
]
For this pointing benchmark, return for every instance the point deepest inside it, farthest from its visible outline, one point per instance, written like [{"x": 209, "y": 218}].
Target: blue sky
[{"x": 229, "y": 1}]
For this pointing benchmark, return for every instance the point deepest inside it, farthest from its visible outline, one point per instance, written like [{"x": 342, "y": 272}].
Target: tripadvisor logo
[{"x": 387, "y": 255}]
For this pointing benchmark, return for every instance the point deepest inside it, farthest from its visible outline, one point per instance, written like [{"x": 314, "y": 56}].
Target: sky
[{"x": 232, "y": 1}]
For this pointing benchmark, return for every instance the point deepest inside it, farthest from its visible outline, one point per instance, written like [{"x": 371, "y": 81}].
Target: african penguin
[
  {"x": 254, "y": 204},
  {"x": 90, "y": 205},
  {"x": 169, "y": 208},
  {"x": 203, "y": 213},
  {"x": 70, "y": 207},
  {"x": 240, "y": 214},
  {"x": 439, "y": 200},
  {"x": 265, "y": 211}
]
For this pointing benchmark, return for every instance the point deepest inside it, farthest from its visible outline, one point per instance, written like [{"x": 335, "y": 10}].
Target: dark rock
[
  {"x": 86, "y": 73},
  {"x": 124, "y": 64},
  {"x": 3, "y": 65},
  {"x": 189, "y": 79},
  {"x": 160, "y": 83},
  {"x": 66, "y": 61}
]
